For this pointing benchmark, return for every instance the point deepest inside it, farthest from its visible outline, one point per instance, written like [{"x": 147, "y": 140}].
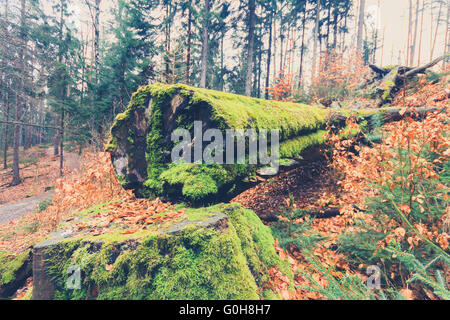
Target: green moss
[
  {"x": 10, "y": 265},
  {"x": 197, "y": 263},
  {"x": 387, "y": 85},
  {"x": 295, "y": 147},
  {"x": 196, "y": 181}
]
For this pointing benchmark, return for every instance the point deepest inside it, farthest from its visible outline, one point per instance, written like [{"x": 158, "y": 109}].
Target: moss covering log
[
  {"x": 141, "y": 138},
  {"x": 221, "y": 252},
  {"x": 141, "y": 142},
  {"x": 389, "y": 81},
  {"x": 14, "y": 270}
]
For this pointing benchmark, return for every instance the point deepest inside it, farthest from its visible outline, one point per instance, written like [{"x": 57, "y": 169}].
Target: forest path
[
  {"x": 13, "y": 211},
  {"x": 21, "y": 208}
]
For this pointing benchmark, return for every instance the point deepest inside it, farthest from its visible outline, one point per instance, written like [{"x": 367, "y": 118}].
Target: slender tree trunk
[
  {"x": 251, "y": 47},
  {"x": 335, "y": 30},
  {"x": 281, "y": 40},
  {"x": 20, "y": 92},
  {"x": 188, "y": 54},
  {"x": 302, "y": 51},
  {"x": 167, "y": 44},
  {"x": 447, "y": 34},
  {"x": 259, "y": 66},
  {"x": 316, "y": 39},
  {"x": 275, "y": 47},
  {"x": 328, "y": 27},
  {"x": 61, "y": 146},
  {"x": 414, "y": 40},
  {"x": 205, "y": 46},
  {"x": 5, "y": 132},
  {"x": 269, "y": 56},
  {"x": 97, "y": 40},
  {"x": 360, "y": 26},
  {"x": 408, "y": 46},
  {"x": 436, "y": 31},
  {"x": 421, "y": 34},
  {"x": 5, "y": 96}
]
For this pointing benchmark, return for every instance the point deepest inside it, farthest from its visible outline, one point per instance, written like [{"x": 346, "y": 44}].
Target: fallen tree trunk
[
  {"x": 389, "y": 81},
  {"x": 142, "y": 145}
]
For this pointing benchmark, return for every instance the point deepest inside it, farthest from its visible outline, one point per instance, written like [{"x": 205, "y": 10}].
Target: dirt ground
[{"x": 39, "y": 170}]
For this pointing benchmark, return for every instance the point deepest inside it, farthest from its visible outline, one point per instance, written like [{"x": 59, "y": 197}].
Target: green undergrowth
[
  {"x": 196, "y": 263},
  {"x": 295, "y": 147}
]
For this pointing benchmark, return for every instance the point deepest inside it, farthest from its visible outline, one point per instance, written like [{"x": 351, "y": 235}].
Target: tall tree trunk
[
  {"x": 421, "y": 34},
  {"x": 251, "y": 47},
  {"x": 281, "y": 40},
  {"x": 222, "y": 60},
  {"x": 414, "y": 40},
  {"x": 408, "y": 46},
  {"x": 447, "y": 35},
  {"x": 359, "y": 39},
  {"x": 269, "y": 56},
  {"x": 316, "y": 39},
  {"x": 205, "y": 46},
  {"x": 61, "y": 146},
  {"x": 259, "y": 65},
  {"x": 167, "y": 44},
  {"x": 335, "y": 30},
  {"x": 5, "y": 132},
  {"x": 436, "y": 31},
  {"x": 5, "y": 96},
  {"x": 328, "y": 27},
  {"x": 302, "y": 51},
  {"x": 274, "y": 41},
  {"x": 97, "y": 40},
  {"x": 20, "y": 93},
  {"x": 188, "y": 54}
]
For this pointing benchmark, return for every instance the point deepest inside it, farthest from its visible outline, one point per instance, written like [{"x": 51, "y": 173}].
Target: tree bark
[
  {"x": 5, "y": 97},
  {"x": 20, "y": 92},
  {"x": 447, "y": 34},
  {"x": 188, "y": 54},
  {"x": 360, "y": 26},
  {"x": 316, "y": 39},
  {"x": 251, "y": 47},
  {"x": 205, "y": 46},
  {"x": 421, "y": 34},
  {"x": 97, "y": 40},
  {"x": 302, "y": 51},
  {"x": 269, "y": 56},
  {"x": 5, "y": 132},
  {"x": 413, "y": 44},
  {"x": 436, "y": 31}
]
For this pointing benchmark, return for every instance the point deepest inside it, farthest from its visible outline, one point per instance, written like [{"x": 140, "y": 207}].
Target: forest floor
[
  {"x": 313, "y": 186},
  {"x": 39, "y": 170}
]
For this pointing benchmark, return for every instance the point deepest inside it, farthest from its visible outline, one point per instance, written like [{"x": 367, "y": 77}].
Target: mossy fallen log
[
  {"x": 141, "y": 138},
  {"x": 218, "y": 253},
  {"x": 389, "y": 81},
  {"x": 141, "y": 141}
]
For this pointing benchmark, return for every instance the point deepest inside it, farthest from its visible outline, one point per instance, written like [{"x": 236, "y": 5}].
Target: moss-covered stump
[
  {"x": 14, "y": 270},
  {"x": 221, "y": 252}
]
